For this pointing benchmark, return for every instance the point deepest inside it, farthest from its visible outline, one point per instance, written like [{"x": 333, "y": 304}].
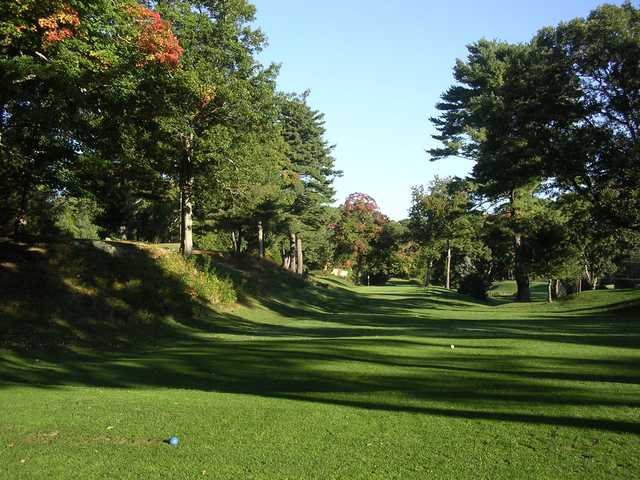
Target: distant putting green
[{"x": 330, "y": 381}]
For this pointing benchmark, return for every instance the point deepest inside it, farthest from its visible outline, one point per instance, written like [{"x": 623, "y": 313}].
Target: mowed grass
[
  {"x": 325, "y": 381},
  {"x": 507, "y": 289}
]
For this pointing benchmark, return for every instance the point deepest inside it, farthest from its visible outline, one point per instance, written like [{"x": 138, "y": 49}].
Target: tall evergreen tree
[
  {"x": 485, "y": 118},
  {"x": 313, "y": 171}
]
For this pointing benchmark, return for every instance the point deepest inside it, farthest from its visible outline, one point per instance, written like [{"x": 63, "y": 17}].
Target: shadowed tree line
[
  {"x": 155, "y": 121},
  {"x": 552, "y": 128}
]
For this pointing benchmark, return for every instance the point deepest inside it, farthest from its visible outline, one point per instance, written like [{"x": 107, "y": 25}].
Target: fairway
[
  {"x": 342, "y": 382},
  {"x": 226, "y": 252}
]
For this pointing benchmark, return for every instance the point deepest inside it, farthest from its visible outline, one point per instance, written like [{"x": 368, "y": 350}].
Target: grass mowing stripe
[{"x": 332, "y": 381}]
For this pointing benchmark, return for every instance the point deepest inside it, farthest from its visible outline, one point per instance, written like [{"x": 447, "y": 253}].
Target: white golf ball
[{"x": 452, "y": 347}]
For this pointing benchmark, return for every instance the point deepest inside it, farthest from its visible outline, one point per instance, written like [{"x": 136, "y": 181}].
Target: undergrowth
[
  {"x": 202, "y": 283},
  {"x": 98, "y": 294}
]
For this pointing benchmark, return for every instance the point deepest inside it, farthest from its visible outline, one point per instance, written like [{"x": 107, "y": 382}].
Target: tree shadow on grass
[
  {"x": 413, "y": 318},
  {"x": 377, "y": 356},
  {"x": 370, "y": 374},
  {"x": 59, "y": 295}
]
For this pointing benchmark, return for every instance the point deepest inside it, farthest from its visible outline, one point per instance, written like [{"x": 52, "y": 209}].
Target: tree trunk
[
  {"x": 299, "y": 260},
  {"x": 21, "y": 216},
  {"x": 592, "y": 278},
  {"x": 180, "y": 217},
  {"x": 260, "y": 240},
  {"x": 587, "y": 274},
  {"x": 292, "y": 253},
  {"x": 358, "y": 270},
  {"x": 522, "y": 276},
  {"x": 186, "y": 192},
  {"x": 427, "y": 276},
  {"x": 557, "y": 288},
  {"x": 521, "y": 273},
  {"x": 448, "y": 266},
  {"x": 579, "y": 285},
  {"x": 549, "y": 291},
  {"x": 239, "y": 246},
  {"x": 285, "y": 256}
]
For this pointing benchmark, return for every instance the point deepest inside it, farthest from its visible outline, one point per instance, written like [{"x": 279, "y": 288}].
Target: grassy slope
[
  {"x": 319, "y": 382},
  {"x": 507, "y": 289}
]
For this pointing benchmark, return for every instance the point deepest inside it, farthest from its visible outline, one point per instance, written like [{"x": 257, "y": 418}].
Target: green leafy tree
[
  {"x": 477, "y": 122},
  {"x": 553, "y": 253},
  {"x": 588, "y": 132},
  {"x": 51, "y": 53},
  {"x": 598, "y": 246},
  {"x": 561, "y": 109},
  {"x": 206, "y": 106},
  {"x": 441, "y": 221},
  {"x": 75, "y": 217}
]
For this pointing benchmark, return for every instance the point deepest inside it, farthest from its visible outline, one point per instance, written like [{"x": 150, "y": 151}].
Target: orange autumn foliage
[
  {"x": 60, "y": 25},
  {"x": 155, "y": 37}
]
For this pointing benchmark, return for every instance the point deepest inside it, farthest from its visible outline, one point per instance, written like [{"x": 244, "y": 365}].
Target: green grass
[
  {"x": 507, "y": 289},
  {"x": 316, "y": 380}
]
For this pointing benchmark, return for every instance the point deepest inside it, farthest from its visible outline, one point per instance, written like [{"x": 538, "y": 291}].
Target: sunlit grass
[{"x": 314, "y": 380}]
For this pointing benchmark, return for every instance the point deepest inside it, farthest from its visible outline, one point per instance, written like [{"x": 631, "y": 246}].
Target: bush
[
  {"x": 475, "y": 285},
  {"x": 216, "y": 241},
  {"x": 74, "y": 217},
  {"x": 200, "y": 279},
  {"x": 625, "y": 283}
]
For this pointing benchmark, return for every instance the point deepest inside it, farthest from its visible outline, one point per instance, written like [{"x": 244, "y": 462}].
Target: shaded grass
[
  {"x": 318, "y": 379},
  {"x": 99, "y": 295}
]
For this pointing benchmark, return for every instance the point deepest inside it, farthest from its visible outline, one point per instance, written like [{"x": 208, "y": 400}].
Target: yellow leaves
[
  {"x": 66, "y": 16},
  {"x": 59, "y": 25},
  {"x": 22, "y": 27},
  {"x": 206, "y": 96},
  {"x": 47, "y": 23}
]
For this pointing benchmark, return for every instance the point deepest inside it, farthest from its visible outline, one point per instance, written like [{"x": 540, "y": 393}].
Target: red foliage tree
[
  {"x": 360, "y": 201},
  {"x": 155, "y": 38},
  {"x": 60, "y": 25},
  {"x": 360, "y": 223}
]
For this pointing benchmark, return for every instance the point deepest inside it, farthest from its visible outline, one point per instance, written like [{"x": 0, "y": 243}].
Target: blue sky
[{"x": 376, "y": 68}]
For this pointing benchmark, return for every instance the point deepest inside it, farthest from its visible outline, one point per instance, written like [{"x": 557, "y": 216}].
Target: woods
[
  {"x": 162, "y": 117},
  {"x": 155, "y": 121},
  {"x": 551, "y": 126}
]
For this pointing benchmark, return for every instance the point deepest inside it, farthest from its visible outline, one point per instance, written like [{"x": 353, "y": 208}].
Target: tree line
[
  {"x": 155, "y": 121},
  {"x": 552, "y": 127}
]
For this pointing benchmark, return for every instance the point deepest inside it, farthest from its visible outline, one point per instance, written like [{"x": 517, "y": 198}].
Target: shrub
[
  {"x": 625, "y": 283},
  {"x": 74, "y": 217},
  {"x": 200, "y": 281},
  {"x": 476, "y": 285}
]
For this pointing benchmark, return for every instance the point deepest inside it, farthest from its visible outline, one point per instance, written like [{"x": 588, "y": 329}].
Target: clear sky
[{"x": 376, "y": 68}]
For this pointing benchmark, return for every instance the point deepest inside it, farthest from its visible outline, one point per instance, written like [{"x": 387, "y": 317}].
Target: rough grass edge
[{"x": 203, "y": 284}]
